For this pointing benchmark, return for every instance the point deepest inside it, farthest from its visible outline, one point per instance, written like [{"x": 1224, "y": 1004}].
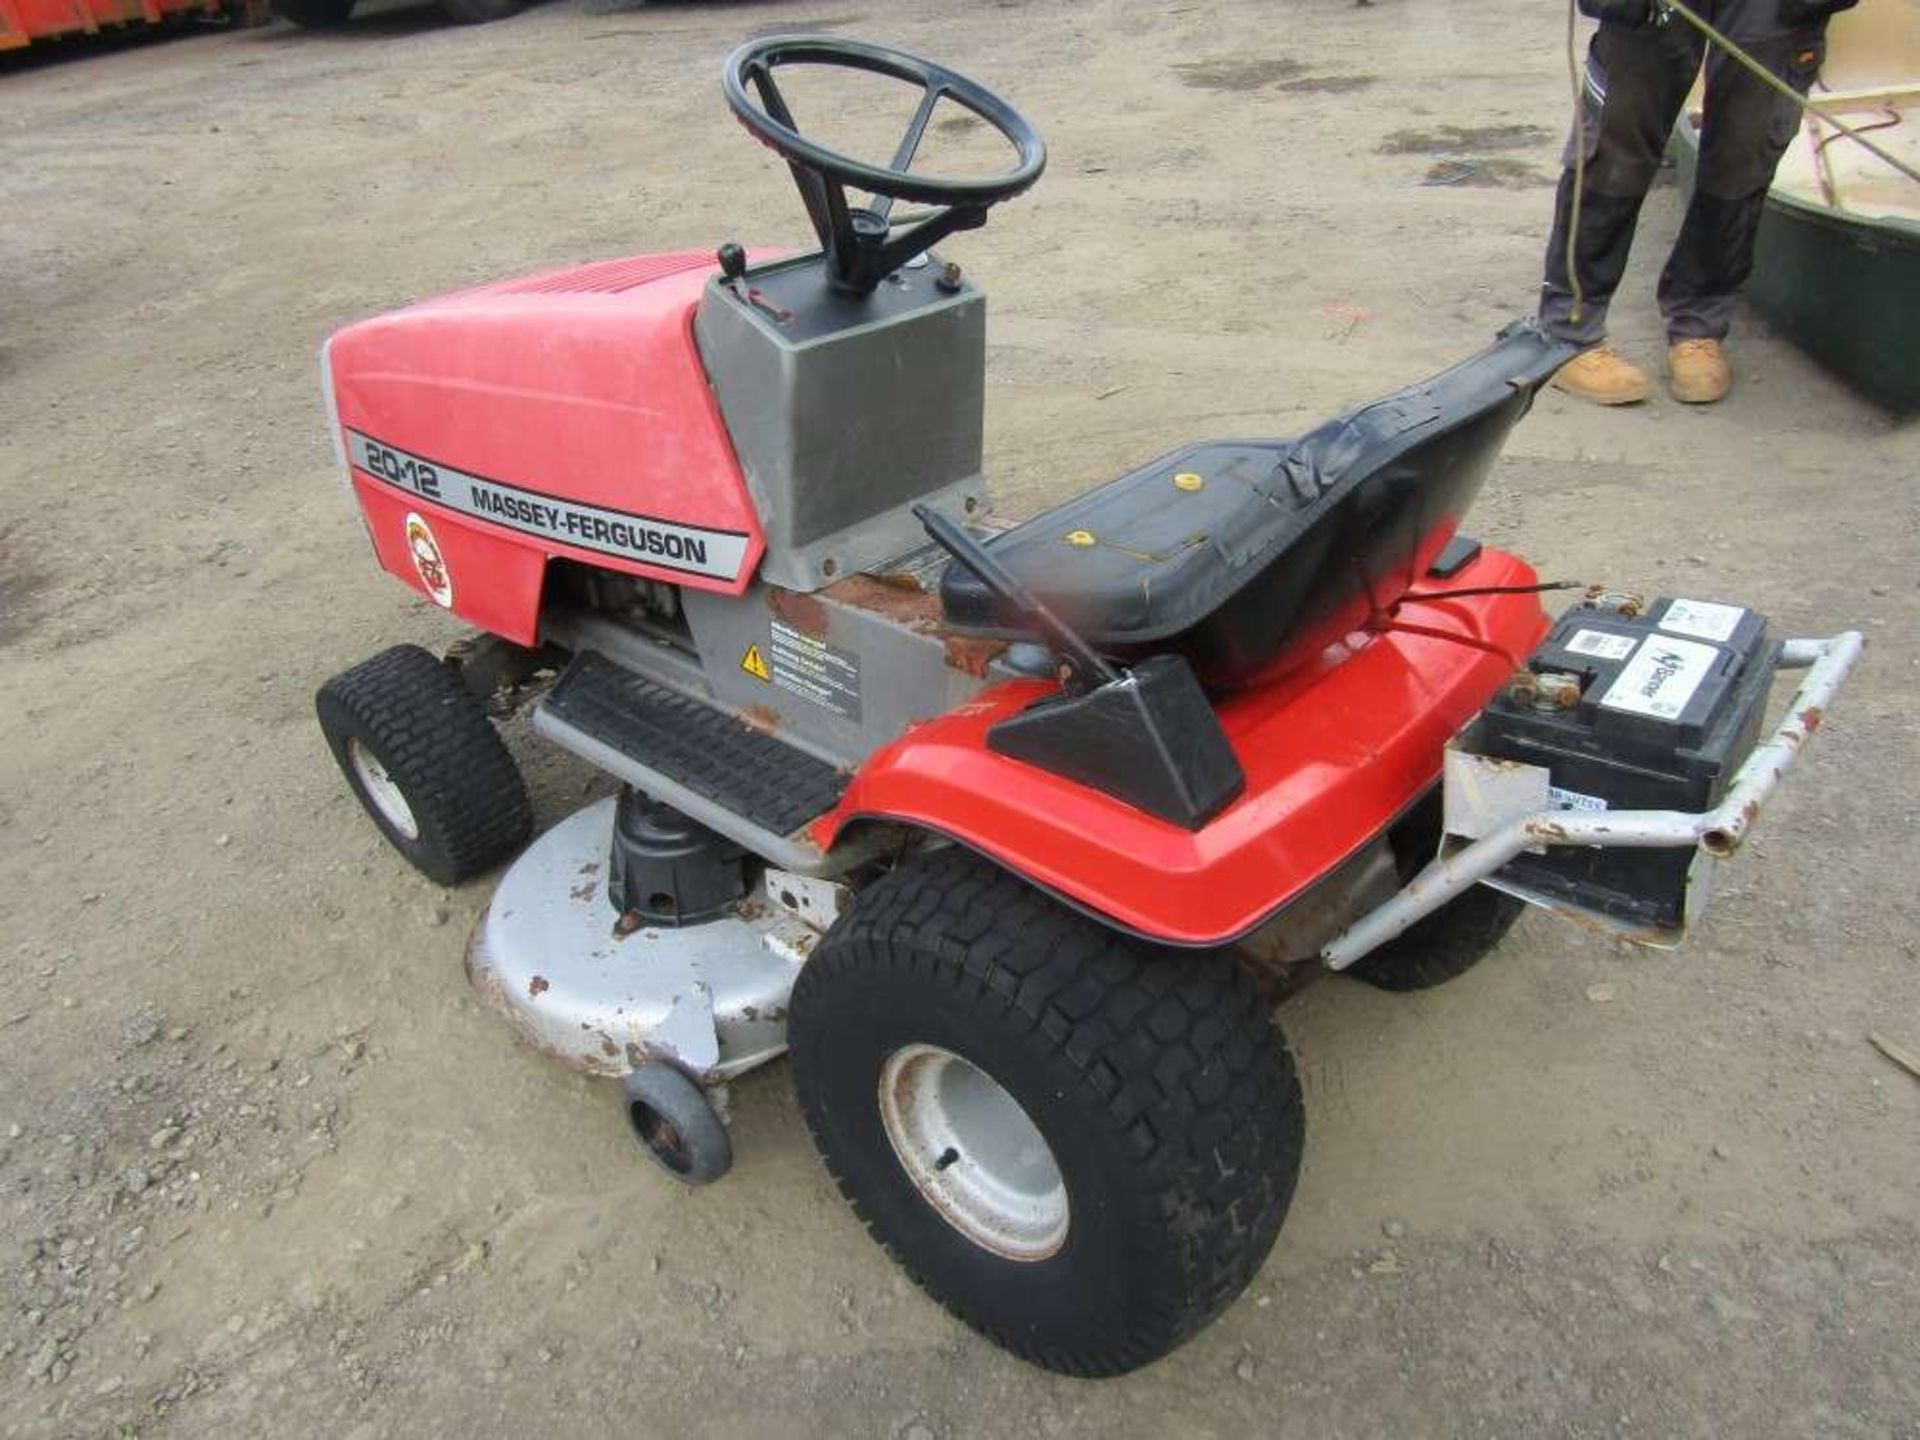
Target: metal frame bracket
[{"x": 1716, "y": 833}]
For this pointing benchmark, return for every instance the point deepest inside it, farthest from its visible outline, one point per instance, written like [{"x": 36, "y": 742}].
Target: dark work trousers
[{"x": 1644, "y": 73}]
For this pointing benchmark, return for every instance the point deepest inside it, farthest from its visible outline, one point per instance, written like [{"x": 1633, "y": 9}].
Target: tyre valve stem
[{"x": 947, "y": 1157}]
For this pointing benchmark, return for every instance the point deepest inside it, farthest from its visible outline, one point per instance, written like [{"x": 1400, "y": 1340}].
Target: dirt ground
[{"x": 267, "y": 1167}]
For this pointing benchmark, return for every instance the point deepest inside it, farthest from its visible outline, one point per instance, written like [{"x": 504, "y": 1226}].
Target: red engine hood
[{"x": 561, "y": 414}]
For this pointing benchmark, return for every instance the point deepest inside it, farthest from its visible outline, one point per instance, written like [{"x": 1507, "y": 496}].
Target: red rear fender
[{"x": 1333, "y": 752}]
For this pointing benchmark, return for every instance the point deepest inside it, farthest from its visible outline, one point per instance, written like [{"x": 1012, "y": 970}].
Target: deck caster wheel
[
  {"x": 676, "y": 1124},
  {"x": 423, "y": 758},
  {"x": 1449, "y": 942},
  {"x": 1082, "y": 1146}
]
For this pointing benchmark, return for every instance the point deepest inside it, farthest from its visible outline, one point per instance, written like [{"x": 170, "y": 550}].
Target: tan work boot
[
  {"x": 1698, "y": 372},
  {"x": 1603, "y": 376}
]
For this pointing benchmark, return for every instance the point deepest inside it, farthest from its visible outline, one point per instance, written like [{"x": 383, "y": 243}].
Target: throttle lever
[{"x": 1087, "y": 666}]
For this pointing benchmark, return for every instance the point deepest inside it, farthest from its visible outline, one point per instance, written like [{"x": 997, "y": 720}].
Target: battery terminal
[
  {"x": 1628, "y": 603},
  {"x": 1551, "y": 690}
]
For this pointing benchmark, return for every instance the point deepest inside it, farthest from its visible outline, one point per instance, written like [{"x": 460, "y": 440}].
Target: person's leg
[
  {"x": 1644, "y": 73},
  {"x": 1747, "y": 128}
]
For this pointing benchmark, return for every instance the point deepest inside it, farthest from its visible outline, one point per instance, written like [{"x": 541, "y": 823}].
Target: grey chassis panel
[
  {"x": 842, "y": 424},
  {"x": 904, "y": 677},
  {"x": 903, "y": 674}
]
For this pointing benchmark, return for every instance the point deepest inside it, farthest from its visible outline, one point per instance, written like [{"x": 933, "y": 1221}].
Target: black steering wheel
[{"x": 861, "y": 248}]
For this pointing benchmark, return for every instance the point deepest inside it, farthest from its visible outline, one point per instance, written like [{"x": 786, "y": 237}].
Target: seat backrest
[{"x": 1247, "y": 556}]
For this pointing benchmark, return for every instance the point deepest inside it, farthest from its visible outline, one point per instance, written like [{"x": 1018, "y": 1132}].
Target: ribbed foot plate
[{"x": 755, "y": 775}]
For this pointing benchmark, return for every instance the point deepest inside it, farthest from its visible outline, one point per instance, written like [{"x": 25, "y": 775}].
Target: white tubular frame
[{"x": 1719, "y": 831}]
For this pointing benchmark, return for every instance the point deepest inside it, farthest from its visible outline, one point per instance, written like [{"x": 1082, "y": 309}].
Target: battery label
[
  {"x": 1574, "y": 800},
  {"x": 815, "y": 670},
  {"x": 1701, "y": 617},
  {"x": 1602, "y": 643},
  {"x": 1661, "y": 677}
]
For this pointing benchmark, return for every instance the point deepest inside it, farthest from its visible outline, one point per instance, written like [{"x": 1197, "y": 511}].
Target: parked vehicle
[{"x": 1009, "y": 834}]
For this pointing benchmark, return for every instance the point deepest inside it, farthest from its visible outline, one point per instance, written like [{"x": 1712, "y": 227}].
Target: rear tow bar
[{"x": 1718, "y": 832}]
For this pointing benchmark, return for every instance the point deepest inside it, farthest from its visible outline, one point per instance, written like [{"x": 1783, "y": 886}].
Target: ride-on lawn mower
[{"x": 1012, "y": 835}]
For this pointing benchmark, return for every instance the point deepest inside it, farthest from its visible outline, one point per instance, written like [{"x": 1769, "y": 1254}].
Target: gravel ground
[{"x": 266, "y": 1166}]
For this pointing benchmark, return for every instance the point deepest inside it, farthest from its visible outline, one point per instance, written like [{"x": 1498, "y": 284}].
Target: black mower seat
[{"x": 1227, "y": 550}]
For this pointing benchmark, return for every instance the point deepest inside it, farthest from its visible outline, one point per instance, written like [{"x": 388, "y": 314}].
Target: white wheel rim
[
  {"x": 381, "y": 792},
  {"x": 973, "y": 1153}
]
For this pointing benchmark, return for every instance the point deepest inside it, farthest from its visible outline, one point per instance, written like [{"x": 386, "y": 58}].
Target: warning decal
[
  {"x": 755, "y": 664},
  {"x": 1661, "y": 677},
  {"x": 815, "y": 670}
]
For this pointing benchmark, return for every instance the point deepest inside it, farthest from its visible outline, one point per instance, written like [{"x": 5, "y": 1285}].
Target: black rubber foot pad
[{"x": 753, "y": 774}]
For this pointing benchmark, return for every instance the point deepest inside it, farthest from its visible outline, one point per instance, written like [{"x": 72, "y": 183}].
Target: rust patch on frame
[
  {"x": 900, "y": 600},
  {"x": 972, "y": 656},
  {"x": 804, "y": 613},
  {"x": 763, "y": 718}
]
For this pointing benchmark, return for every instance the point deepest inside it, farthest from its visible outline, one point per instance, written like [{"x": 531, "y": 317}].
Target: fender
[{"x": 1333, "y": 751}]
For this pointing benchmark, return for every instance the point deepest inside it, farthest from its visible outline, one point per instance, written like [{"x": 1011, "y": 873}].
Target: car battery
[{"x": 1630, "y": 707}]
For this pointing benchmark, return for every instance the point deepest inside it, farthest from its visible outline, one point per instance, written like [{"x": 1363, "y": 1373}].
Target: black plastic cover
[
  {"x": 1225, "y": 551},
  {"x": 668, "y": 868},
  {"x": 1149, "y": 738},
  {"x": 1671, "y": 701},
  {"x": 757, "y": 776}
]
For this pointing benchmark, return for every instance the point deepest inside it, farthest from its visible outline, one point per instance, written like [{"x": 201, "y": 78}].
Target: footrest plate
[{"x": 762, "y": 779}]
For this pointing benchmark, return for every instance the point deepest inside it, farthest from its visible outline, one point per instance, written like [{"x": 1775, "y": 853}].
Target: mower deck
[{"x": 554, "y": 957}]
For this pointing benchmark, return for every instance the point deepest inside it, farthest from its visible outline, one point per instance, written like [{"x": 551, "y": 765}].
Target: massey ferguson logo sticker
[
  {"x": 428, "y": 563},
  {"x": 1661, "y": 677},
  {"x": 645, "y": 541}
]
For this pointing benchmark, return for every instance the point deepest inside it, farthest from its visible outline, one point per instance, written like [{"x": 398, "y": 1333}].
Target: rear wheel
[
  {"x": 421, "y": 755},
  {"x": 1449, "y": 942},
  {"x": 1081, "y": 1145},
  {"x": 314, "y": 14}
]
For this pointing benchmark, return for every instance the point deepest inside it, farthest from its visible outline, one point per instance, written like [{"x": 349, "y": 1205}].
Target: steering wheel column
[{"x": 862, "y": 247}]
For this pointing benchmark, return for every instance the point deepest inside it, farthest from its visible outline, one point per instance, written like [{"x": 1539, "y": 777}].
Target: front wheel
[
  {"x": 424, "y": 760},
  {"x": 1081, "y": 1145}
]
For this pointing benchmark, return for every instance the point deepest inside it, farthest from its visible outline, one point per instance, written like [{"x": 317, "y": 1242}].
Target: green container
[{"x": 1844, "y": 288}]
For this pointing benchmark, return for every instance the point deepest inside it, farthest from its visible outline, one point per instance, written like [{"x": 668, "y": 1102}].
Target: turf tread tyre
[
  {"x": 1165, "y": 1063},
  {"x": 1440, "y": 946},
  {"x": 436, "y": 743}
]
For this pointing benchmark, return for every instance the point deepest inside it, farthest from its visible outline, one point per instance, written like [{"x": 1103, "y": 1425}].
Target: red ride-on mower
[{"x": 1011, "y": 838}]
